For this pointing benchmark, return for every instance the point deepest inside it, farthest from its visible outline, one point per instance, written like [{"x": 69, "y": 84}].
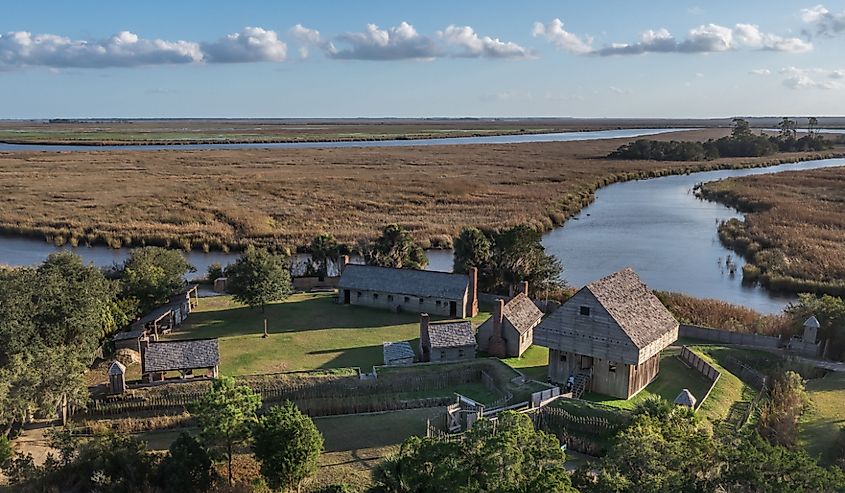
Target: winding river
[{"x": 657, "y": 226}]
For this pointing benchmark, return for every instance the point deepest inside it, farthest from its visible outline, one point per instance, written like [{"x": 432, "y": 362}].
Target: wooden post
[{"x": 265, "y": 329}]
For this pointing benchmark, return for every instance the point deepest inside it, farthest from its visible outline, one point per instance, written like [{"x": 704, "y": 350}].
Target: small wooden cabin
[
  {"x": 183, "y": 356},
  {"x": 609, "y": 336},
  {"x": 446, "y": 341},
  {"x": 510, "y": 331}
]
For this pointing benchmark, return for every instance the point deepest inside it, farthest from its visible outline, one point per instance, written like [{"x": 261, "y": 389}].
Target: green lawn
[
  {"x": 673, "y": 377},
  {"x": 373, "y": 430},
  {"x": 308, "y": 331},
  {"x": 820, "y": 425},
  {"x": 729, "y": 389},
  {"x": 534, "y": 363}
]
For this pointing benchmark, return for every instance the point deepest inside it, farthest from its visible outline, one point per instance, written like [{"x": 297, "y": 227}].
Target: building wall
[
  {"x": 516, "y": 344},
  {"x": 453, "y": 353},
  {"x": 642, "y": 375},
  {"x": 400, "y": 302},
  {"x": 608, "y": 377},
  {"x": 596, "y": 334}
]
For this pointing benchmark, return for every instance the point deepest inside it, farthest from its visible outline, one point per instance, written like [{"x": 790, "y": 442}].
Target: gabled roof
[
  {"x": 117, "y": 368},
  {"x": 522, "y": 313},
  {"x": 451, "y": 334},
  {"x": 181, "y": 355},
  {"x": 411, "y": 282},
  {"x": 812, "y": 322},
  {"x": 128, "y": 334},
  {"x": 633, "y": 306},
  {"x": 685, "y": 398},
  {"x": 395, "y": 351}
]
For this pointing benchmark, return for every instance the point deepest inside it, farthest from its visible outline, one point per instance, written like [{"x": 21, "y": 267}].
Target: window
[
  {"x": 359, "y": 294},
  {"x": 375, "y": 296},
  {"x": 438, "y": 303},
  {"x": 390, "y": 297},
  {"x": 422, "y": 301},
  {"x": 611, "y": 367},
  {"x": 460, "y": 353},
  {"x": 585, "y": 310},
  {"x": 407, "y": 300},
  {"x": 562, "y": 358}
]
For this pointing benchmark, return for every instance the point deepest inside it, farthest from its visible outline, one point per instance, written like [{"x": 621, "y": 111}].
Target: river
[{"x": 490, "y": 139}]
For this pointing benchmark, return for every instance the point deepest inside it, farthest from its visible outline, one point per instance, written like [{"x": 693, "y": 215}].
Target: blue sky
[{"x": 434, "y": 58}]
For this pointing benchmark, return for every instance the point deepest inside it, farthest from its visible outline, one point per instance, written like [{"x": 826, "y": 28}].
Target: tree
[
  {"x": 812, "y": 125},
  {"x": 288, "y": 445},
  {"x": 472, "y": 249},
  {"x": 788, "y": 128},
  {"x": 225, "y": 416},
  {"x": 153, "y": 274},
  {"x": 395, "y": 248},
  {"x": 259, "y": 277},
  {"x": 520, "y": 256},
  {"x": 324, "y": 249},
  {"x": 215, "y": 271},
  {"x": 5, "y": 451},
  {"x": 186, "y": 468},
  {"x": 741, "y": 129},
  {"x": 510, "y": 456},
  {"x": 778, "y": 422}
]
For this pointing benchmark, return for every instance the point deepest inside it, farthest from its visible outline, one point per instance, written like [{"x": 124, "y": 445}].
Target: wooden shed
[
  {"x": 608, "y": 336},
  {"x": 510, "y": 331},
  {"x": 117, "y": 378}
]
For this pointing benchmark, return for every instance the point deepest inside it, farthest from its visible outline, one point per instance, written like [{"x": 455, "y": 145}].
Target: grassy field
[
  {"x": 225, "y": 198},
  {"x": 820, "y": 425},
  {"x": 534, "y": 363},
  {"x": 673, "y": 377},
  {"x": 794, "y": 231},
  {"x": 308, "y": 331},
  {"x": 728, "y": 390}
]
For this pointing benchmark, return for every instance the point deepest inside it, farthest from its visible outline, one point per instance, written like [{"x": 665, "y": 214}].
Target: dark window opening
[
  {"x": 407, "y": 300},
  {"x": 585, "y": 310},
  {"x": 611, "y": 367},
  {"x": 422, "y": 300},
  {"x": 563, "y": 358},
  {"x": 390, "y": 297},
  {"x": 375, "y": 296}
]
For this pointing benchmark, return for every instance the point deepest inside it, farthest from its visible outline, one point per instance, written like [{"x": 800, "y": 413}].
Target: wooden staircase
[{"x": 582, "y": 381}]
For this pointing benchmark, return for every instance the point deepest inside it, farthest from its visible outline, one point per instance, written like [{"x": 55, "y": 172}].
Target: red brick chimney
[
  {"x": 525, "y": 287},
  {"x": 497, "y": 346},
  {"x": 342, "y": 262},
  {"x": 472, "y": 303},
  {"x": 425, "y": 342}
]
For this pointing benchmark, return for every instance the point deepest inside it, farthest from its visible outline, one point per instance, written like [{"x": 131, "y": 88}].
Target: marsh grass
[
  {"x": 221, "y": 199},
  {"x": 794, "y": 232}
]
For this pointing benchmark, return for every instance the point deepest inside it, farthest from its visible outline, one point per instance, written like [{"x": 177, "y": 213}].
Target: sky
[{"x": 192, "y": 58}]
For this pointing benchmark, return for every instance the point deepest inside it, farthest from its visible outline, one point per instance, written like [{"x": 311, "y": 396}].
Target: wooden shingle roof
[
  {"x": 411, "y": 282},
  {"x": 181, "y": 355},
  {"x": 633, "y": 306},
  {"x": 522, "y": 313},
  {"x": 451, "y": 334}
]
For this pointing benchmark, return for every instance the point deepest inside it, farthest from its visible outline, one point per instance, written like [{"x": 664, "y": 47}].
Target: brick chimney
[
  {"x": 497, "y": 346},
  {"x": 142, "y": 347},
  {"x": 425, "y": 342},
  {"x": 342, "y": 262},
  {"x": 472, "y": 303},
  {"x": 525, "y": 287}
]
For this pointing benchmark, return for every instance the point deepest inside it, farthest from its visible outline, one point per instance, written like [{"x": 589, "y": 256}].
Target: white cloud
[
  {"x": 618, "y": 90},
  {"x": 837, "y": 74},
  {"x": 252, "y": 44},
  {"x": 401, "y": 42},
  {"x": 824, "y": 21},
  {"x": 307, "y": 38},
  {"x": 806, "y": 78},
  {"x": 472, "y": 45},
  {"x": 709, "y": 38},
  {"x": 561, "y": 38},
  {"x": 760, "y": 71},
  {"x": 124, "y": 49}
]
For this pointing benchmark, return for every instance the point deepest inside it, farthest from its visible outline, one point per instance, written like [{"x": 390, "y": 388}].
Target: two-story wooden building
[{"x": 609, "y": 335}]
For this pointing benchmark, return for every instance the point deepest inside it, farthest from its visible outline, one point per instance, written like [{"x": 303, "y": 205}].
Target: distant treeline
[{"x": 741, "y": 143}]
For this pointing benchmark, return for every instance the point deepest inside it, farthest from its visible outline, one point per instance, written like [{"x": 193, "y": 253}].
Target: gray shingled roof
[
  {"x": 117, "y": 368},
  {"x": 394, "y": 351},
  {"x": 451, "y": 334},
  {"x": 633, "y": 306},
  {"x": 685, "y": 398},
  {"x": 522, "y": 313},
  {"x": 812, "y": 322},
  {"x": 181, "y": 355},
  {"x": 420, "y": 283},
  {"x": 128, "y": 334}
]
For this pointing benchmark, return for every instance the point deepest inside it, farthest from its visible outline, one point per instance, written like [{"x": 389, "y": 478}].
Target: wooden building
[
  {"x": 409, "y": 290},
  {"x": 160, "y": 320},
  {"x": 185, "y": 357},
  {"x": 398, "y": 353},
  {"x": 510, "y": 331},
  {"x": 608, "y": 336},
  {"x": 117, "y": 378},
  {"x": 446, "y": 341}
]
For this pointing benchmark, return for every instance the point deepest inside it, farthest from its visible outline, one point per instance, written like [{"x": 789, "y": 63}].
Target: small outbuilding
[
  {"x": 398, "y": 353},
  {"x": 510, "y": 331},
  {"x": 685, "y": 398},
  {"x": 117, "y": 378},
  {"x": 446, "y": 341},
  {"x": 608, "y": 336},
  {"x": 186, "y": 356}
]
